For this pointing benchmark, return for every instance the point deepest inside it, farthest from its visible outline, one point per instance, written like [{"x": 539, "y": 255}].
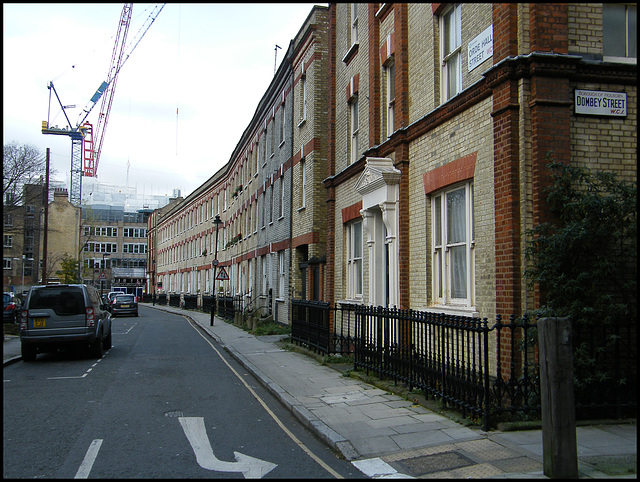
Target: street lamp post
[
  {"x": 153, "y": 282},
  {"x": 103, "y": 275},
  {"x": 217, "y": 221},
  {"x": 23, "y": 259}
]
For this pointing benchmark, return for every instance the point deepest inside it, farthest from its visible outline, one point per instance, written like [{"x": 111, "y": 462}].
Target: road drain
[{"x": 435, "y": 463}]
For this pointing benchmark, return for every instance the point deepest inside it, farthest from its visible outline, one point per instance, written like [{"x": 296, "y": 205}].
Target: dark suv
[{"x": 64, "y": 315}]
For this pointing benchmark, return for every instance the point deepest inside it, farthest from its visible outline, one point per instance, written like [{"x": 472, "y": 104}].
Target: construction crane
[{"x": 86, "y": 144}]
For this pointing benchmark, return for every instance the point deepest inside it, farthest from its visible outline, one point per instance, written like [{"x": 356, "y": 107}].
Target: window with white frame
[
  {"x": 265, "y": 274},
  {"x": 272, "y": 140},
  {"x": 450, "y": 51},
  {"x": 8, "y": 220},
  {"x": 354, "y": 128},
  {"x": 282, "y": 120},
  {"x": 282, "y": 197},
  {"x": 271, "y": 203},
  {"x": 101, "y": 247},
  {"x": 6, "y": 263},
  {"x": 390, "y": 70},
  {"x": 303, "y": 184},
  {"x": 354, "y": 260},
  {"x": 620, "y": 32},
  {"x": 354, "y": 23},
  {"x": 453, "y": 243},
  {"x": 303, "y": 95},
  {"x": 281, "y": 274},
  {"x": 8, "y": 241}
]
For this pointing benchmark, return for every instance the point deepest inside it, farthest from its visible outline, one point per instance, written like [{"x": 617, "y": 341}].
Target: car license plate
[
  {"x": 38, "y": 322},
  {"x": 124, "y": 306}
]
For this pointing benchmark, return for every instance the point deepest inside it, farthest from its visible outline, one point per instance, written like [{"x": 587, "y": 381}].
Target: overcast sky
[{"x": 182, "y": 100}]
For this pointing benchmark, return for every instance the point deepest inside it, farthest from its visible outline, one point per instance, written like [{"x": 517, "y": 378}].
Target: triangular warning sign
[{"x": 222, "y": 275}]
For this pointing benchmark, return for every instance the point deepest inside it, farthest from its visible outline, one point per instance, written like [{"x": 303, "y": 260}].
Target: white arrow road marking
[{"x": 196, "y": 432}]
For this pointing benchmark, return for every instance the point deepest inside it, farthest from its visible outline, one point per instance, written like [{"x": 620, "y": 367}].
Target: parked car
[
  {"x": 11, "y": 312},
  {"x": 57, "y": 316},
  {"x": 110, "y": 297},
  {"x": 124, "y": 304}
]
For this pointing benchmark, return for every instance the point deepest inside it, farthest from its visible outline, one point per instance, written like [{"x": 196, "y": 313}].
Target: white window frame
[
  {"x": 354, "y": 23},
  {"x": 303, "y": 184},
  {"x": 8, "y": 241},
  {"x": 281, "y": 198},
  {"x": 354, "y": 260},
  {"x": 303, "y": 86},
  {"x": 282, "y": 273},
  {"x": 283, "y": 123},
  {"x": 265, "y": 274},
  {"x": 443, "y": 248},
  {"x": 630, "y": 37},
  {"x": 271, "y": 203},
  {"x": 354, "y": 124},
  {"x": 391, "y": 97},
  {"x": 453, "y": 57}
]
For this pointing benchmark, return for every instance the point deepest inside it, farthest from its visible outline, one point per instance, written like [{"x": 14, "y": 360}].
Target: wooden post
[{"x": 560, "y": 451}]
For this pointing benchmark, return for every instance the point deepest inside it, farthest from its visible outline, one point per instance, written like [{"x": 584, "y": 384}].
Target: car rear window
[
  {"x": 124, "y": 299},
  {"x": 63, "y": 301}
]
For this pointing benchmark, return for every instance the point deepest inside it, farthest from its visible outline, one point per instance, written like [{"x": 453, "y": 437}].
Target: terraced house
[
  {"x": 399, "y": 157},
  {"x": 269, "y": 198}
]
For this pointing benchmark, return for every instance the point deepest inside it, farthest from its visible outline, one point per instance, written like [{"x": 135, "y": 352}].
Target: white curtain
[{"x": 457, "y": 234}]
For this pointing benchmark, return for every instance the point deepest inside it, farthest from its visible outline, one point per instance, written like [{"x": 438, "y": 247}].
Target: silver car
[{"x": 61, "y": 316}]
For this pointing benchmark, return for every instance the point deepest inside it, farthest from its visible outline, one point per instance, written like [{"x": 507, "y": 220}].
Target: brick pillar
[
  {"x": 401, "y": 27},
  {"x": 401, "y": 23},
  {"x": 506, "y": 111},
  {"x": 374, "y": 75},
  {"x": 331, "y": 163},
  {"x": 550, "y": 102},
  {"x": 505, "y": 114}
]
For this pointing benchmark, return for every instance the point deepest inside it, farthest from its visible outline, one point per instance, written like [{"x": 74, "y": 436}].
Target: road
[{"x": 166, "y": 401}]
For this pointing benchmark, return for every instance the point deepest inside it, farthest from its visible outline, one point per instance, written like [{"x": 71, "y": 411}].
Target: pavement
[{"x": 387, "y": 436}]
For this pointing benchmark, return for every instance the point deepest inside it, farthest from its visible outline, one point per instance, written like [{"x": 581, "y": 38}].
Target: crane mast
[
  {"x": 92, "y": 156},
  {"x": 86, "y": 145}
]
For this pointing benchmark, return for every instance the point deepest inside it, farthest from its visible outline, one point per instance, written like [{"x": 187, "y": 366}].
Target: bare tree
[{"x": 21, "y": 164}]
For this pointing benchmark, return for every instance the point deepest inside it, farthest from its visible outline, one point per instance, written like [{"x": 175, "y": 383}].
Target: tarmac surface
[{"x": 385, "y": 435}]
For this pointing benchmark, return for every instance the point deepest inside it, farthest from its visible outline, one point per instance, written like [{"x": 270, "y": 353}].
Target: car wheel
[
  {"x": 28, "y": 352},
  {"x": 107, "y": 341},
  {"x": 98, "y": 347},
  {"x": 136, "y": 313}
]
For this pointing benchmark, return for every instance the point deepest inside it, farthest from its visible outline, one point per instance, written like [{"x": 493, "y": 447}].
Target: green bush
[{"x": 585, "y": 262}]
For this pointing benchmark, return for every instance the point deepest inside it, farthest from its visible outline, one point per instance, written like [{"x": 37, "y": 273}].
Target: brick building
[
  {"x": 63, "y": 232},
  {"x": 399, "y": 156},
  {"x": 458, "y": 108},
  {"x": 269, "y": 197},
  {"x": 22, "y": 237}
]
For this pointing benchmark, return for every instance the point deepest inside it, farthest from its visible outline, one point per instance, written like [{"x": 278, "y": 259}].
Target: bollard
[{"x": 557, "y": 401}]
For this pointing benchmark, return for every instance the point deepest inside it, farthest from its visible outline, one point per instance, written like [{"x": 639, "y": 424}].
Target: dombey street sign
[{"x": 594, "y": 102}]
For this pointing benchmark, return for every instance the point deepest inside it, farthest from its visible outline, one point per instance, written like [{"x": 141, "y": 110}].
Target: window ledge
[
  {"x": 453, "y": 310},
  {"x": 357, "y": 301},
  {"x": 351, "y": 53}
]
